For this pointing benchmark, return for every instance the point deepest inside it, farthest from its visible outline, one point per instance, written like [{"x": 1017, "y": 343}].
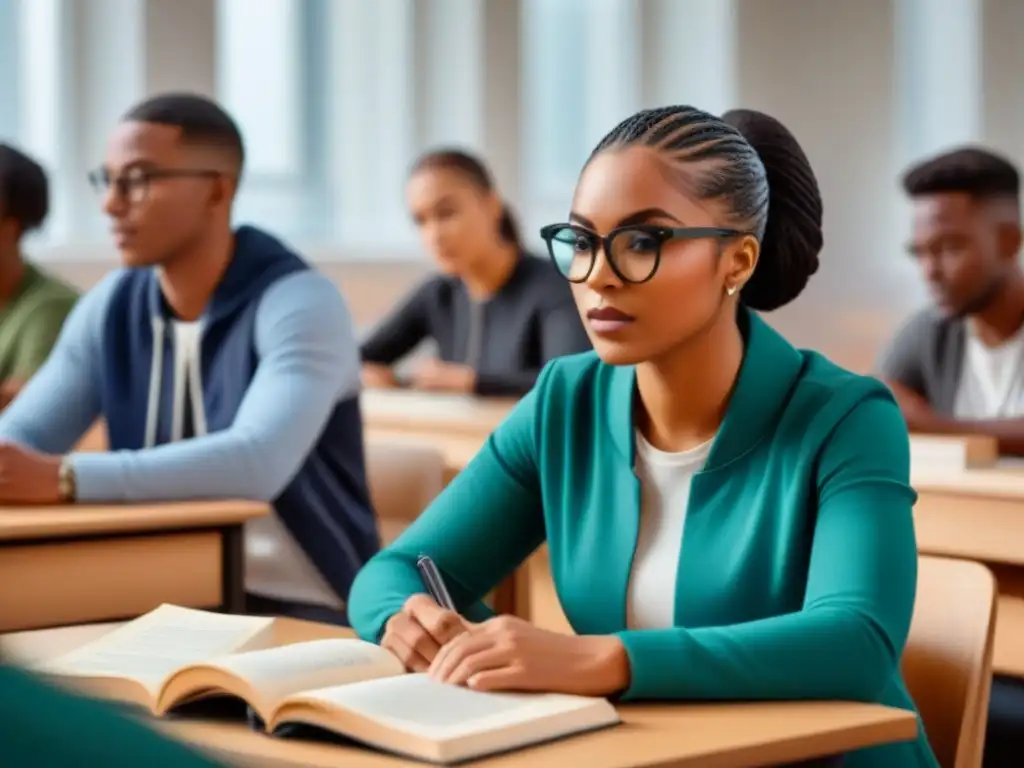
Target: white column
[
  {"x": 450, "y": 73},
  {"x": 467, "y": 64},
  {"x": 939, "y": 74},
  {"x": 582, "y": 75},
  {"x": 115, "y": 53},
  {"x": 103, "y": 74},
  {"x": 1003, "y": 65},
  {"x": 180, "y": 46},
  {"x": 373, "y": 125},
  {"x": 689, "y": 53},
  {"x": 612, "y": 44},
  {"x": 9, "y": 56},
  {"x": 501, "y": 61}
]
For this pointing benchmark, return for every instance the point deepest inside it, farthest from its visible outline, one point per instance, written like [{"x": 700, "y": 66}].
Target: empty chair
[
  {"x": 404, "y": 478},
  {"x": 948, "y": 659}
]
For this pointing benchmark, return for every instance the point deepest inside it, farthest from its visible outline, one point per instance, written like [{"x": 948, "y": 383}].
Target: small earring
[{"x": 731, "y": 290}]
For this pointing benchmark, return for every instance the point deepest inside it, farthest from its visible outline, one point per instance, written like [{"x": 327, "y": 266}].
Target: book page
[
  {"x": 421, "y": 706},
  {"x": 153, "y": 646},
  {"x": 277, "y": 672}
]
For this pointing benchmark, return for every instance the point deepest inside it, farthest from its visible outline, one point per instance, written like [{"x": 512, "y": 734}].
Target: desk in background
[
  {"x": 432, "y": 414},
  {"x": 79, "y": 563},
  {"x": 652, "y": 736},
  {"x": 978, "y": 514}
]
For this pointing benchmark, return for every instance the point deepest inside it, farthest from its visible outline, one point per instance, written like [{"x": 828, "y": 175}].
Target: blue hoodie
[{"x": 278, "y": 418}]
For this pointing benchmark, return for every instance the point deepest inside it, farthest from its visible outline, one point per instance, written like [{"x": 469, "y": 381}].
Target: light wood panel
[
  {"x": 102, "y": 579},
  {"x": 65, "y": 521}
]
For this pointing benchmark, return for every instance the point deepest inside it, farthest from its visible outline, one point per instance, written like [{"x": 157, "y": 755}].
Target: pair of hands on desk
[
  {"x": 27, "y": 476},
  {"x": 505, "y": 653}
]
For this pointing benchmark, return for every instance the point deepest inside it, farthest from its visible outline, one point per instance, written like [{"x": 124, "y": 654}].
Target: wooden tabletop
[
  {"x": 652, "y": 736},
  {"x": 1005, "y": 480},
  {"x": 28, "y": 522},
  {"x": 424, "y": 412}
]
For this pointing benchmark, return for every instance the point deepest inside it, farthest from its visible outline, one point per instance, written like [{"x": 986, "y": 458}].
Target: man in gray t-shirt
[{"x": 958, "y": 366}]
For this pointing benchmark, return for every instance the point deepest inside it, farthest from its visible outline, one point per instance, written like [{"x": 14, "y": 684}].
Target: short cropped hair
[
  {"x": 971, "y": 170},
  {"x": 200, "y": 120},
  {"x": 24, "y": 189}
]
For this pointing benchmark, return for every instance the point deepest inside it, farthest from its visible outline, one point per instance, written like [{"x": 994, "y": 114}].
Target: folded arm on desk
[{"x": 308, "y": 363}]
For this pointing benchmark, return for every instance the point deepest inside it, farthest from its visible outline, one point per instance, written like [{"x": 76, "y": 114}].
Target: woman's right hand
[
  {"x": 416, "y": 633},
  {"x": 378, "y": 376}
]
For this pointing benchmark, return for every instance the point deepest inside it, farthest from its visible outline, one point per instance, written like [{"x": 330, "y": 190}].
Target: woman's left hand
[
  {"x": 509, "y": 654},
  {"x": 438, "y": 376}
]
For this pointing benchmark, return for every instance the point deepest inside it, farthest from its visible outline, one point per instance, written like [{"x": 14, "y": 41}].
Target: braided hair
[{"x": 752, "y": 163}]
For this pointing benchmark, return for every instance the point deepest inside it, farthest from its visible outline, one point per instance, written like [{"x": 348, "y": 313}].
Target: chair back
[
  {"x": 403, "y": 478},
  {"x": 947, "y": 663}
]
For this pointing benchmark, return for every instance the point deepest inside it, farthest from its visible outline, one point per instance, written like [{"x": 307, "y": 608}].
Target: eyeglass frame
[
  {"x": 662, "y": 234},
  {"x": 101, "y": 181}
]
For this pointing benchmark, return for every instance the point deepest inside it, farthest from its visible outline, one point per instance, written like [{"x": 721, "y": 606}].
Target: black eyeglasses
[
  {"x": 633, "y": 252},
  {"x": 133, "y": 185}
]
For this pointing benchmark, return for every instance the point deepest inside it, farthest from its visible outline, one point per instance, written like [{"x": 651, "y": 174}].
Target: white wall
[{"x": 833, "y": 88}]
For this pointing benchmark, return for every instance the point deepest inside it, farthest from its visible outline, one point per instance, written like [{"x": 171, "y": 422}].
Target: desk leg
[
  {"x": 233, "y": 565},
  {"x": 505, "y": 596}
]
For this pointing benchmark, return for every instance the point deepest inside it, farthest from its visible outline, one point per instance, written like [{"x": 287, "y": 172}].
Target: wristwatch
[{"x": 66, "y": 485}]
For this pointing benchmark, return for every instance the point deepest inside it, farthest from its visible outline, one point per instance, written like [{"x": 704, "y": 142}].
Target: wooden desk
[
  {"x": 80, "y": 563},
  {"x": 457, "y": 449},
  {"x": 418, "y": 412},
  {"x": 652, "y": 736},
  {"x": 978, "y": 514}
]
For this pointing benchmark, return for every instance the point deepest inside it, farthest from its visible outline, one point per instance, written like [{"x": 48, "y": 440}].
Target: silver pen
[{"x": 434, "y": 582}]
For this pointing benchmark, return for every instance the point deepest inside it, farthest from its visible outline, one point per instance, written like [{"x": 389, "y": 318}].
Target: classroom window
[
  {"x": 31, "y": 41},
  {"x": 258, "y": 79},
  {"x": 270, "y": 78},
  {"x": 555, "y": 56}
]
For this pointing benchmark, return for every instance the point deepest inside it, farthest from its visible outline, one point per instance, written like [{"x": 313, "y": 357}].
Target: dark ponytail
[
  {"x": 792, "y": 236},
  {"x": 755, "y": 165},
  {"x": 473, "y": 169},
  {"x": 508, "y": 228}
]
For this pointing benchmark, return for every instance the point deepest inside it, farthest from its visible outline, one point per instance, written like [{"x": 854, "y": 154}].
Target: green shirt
[
  {"x": 30, "y": 323},
  {"x": 799, "y": 563},
  {"x": 43, "y": 726}
]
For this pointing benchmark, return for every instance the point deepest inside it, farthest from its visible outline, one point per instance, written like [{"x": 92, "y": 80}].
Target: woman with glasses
[
  {"x": 496, "y": 314},
  {"x": 728, "y": 517}
]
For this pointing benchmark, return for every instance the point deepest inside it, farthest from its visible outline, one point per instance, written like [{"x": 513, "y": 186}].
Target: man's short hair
[
  {"x": 24, "y": 189},
  {"x": 971, "y": 170},
  {"x": 199, "y": 119}
]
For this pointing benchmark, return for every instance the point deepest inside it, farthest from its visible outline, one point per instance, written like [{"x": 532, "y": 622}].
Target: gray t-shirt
[{"x": 927, "y": 356}]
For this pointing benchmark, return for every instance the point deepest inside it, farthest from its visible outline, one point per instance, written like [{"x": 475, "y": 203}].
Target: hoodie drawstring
[{"x": 155, "y": 375}]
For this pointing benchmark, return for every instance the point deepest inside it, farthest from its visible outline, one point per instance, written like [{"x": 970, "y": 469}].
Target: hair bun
[{"x": 793, "y": 236}]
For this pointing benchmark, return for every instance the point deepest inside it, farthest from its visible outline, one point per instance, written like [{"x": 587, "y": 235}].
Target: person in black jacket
[{"x": 496, "y": 313}]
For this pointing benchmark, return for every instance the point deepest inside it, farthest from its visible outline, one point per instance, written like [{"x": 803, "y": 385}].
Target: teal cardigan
[
  {"x": 42, "y": 726},
  {"x": 799, "y": 562}
]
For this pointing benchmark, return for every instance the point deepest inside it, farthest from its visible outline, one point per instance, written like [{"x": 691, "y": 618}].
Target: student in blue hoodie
[{"x": 223, "y": 365}]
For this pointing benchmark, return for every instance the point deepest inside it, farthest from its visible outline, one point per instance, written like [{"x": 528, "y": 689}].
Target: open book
[{"x": 174, "y": 656}]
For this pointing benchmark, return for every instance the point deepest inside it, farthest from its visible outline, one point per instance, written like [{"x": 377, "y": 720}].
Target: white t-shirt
[
  {"x": 991, "y": 379},
  {"x": 665, "y": 480}
]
